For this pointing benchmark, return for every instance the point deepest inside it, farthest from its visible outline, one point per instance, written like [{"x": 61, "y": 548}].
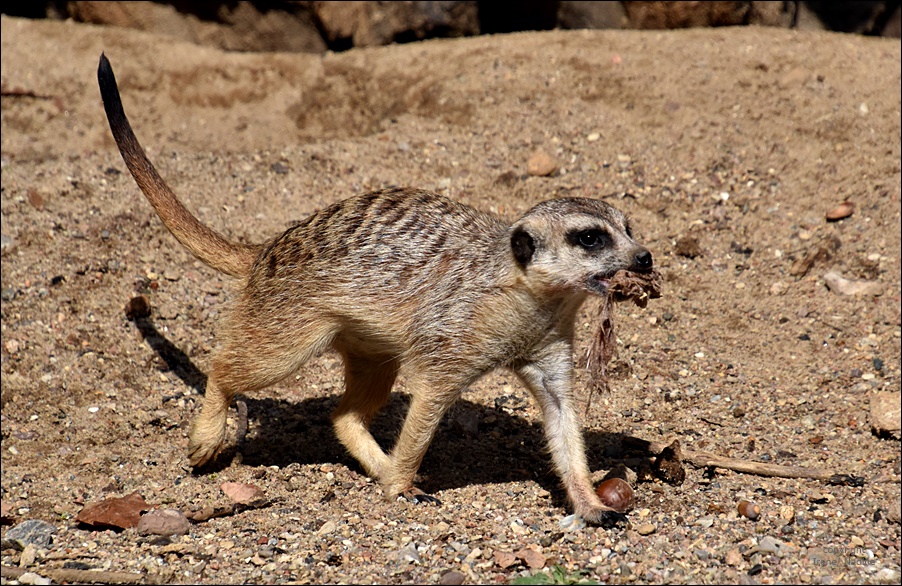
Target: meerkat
[{"x": 404, "y": 281}]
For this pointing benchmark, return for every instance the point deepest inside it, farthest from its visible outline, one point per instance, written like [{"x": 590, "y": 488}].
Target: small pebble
[
  {"x": 769, "y": 544},
  {"x": 452, "y": 579},
  {"x": 29, "y": 532},
  {"x": 616, "y": 493},
  {"x": 843, "y": 210},
  {"x": 886, "y": 576},
  {"x": 137, "y": 308},
  {"x": 29, "y": 554},
  {"x": 164, "y": 522},
  {"x": 788, "y": 513},
  {"x": 409, "y": 553},
  {"x": 541, "y": 164},
  {"x": 839, "y": 284},
  {"x": 646, "y": 529},
  {"x": 572, "y": 523},
  {"x": 32, "y": 578},
  {"x": 749, "y": 510},
  {"x": 886, "y": 411}
]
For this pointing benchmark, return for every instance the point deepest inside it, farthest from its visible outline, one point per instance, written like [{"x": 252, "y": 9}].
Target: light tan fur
[{"x": 404, "y": 281}]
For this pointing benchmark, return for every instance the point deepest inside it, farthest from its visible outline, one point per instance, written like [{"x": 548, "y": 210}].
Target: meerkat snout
[{"x": 643, "y": 261}]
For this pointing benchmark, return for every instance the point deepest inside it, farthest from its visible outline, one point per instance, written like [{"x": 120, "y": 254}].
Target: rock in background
[{"x": 318, "y": 26}]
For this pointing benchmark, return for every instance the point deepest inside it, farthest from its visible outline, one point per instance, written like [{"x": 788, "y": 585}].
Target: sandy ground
[{"x": 726, "y": 147}]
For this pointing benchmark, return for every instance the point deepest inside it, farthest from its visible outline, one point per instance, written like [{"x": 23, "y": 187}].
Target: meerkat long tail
[{"x": 207, "y": 245}]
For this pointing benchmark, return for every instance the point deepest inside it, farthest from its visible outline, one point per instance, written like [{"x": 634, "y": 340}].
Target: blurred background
[{"x": 320, "y": 26}]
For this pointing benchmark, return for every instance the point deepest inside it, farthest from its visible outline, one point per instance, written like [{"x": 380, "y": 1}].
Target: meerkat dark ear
[{"x": 522, "y": 245}]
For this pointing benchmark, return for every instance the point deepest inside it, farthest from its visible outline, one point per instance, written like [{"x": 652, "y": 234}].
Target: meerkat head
[{"x": 575, "y": 244}]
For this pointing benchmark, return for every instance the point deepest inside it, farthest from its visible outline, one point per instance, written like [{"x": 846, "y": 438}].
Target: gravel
[{"x": 748, "y": 353}]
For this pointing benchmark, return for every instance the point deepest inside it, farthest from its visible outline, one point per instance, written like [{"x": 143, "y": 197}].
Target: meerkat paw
[
  {"x": 605, "y": 518},
  {"x": 204, "y": 447},
  {"x": 417, "y": 496},
  {"x": 201, "y": 454}
]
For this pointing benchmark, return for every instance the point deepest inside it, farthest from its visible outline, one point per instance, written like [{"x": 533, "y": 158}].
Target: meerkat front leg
[
  {"x": 429, "y": 401},
  {"x": 549, "y": 379}
]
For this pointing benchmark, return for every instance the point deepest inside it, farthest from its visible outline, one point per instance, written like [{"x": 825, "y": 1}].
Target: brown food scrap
[
  {"x": 640, "y": 287},
  {"x": 669, "y": 464},
  {"x": 644, "y": 473}
]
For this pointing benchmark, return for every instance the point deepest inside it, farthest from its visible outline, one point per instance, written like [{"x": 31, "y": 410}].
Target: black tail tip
[
  {"x": 106, "y": 78},
  {"x": 104, "y": 64}
]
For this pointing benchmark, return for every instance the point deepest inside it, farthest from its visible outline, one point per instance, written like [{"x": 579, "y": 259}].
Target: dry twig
[
  {"x": 241, "y": 434},
  {"x": 703, "y": 459},
  {"x": 76, "y": 576}
]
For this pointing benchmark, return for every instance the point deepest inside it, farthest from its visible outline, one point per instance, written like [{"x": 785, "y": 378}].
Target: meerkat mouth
[{"x": 600, "y": 283}]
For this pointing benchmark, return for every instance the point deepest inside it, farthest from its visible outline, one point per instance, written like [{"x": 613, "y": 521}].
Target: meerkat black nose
[{"x": 644, "y": 261}]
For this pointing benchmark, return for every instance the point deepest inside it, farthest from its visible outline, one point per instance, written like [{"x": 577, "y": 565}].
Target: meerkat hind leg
[
  {"x": 208, "y": 431},
  {"x": 368, "y": 383},
  {"x": 253, "y": 358}
]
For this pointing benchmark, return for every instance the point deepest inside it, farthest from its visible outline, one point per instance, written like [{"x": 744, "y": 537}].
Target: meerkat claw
[
  {"x": 611, "y": 519},
  {"x": 600, "y": 517},
  {"x": 418, "y": 497}
]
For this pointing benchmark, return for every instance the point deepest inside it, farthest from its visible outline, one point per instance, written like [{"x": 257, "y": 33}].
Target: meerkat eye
[{"x": 592, "y": 239}]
